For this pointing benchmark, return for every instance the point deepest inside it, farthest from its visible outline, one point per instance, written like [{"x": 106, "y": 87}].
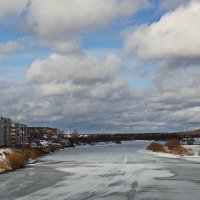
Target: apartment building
[
  {"x": 42, "y": 133},
  {"x": 12, "y": 133},
  {"x": 18, "y": 134},
  {"x": 5, "y": 124}
]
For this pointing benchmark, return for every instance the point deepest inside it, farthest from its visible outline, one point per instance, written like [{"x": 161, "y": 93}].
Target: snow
[{"x": 2, "y": 153}]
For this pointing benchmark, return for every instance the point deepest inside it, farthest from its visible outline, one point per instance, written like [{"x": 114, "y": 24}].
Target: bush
[
  {"x": 171, "y": 144},
  {"x": 31, "y": 153},
  {"x": 175, "y": 148},
  {"x": 4, "y": 166},
  {"x": 16, "y": 159},
  {"x": 180, "y": 150},
  {"x": 156, "y": 147}
]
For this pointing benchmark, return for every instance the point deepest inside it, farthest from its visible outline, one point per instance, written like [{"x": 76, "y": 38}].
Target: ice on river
[{"x": 110, "y": 172}]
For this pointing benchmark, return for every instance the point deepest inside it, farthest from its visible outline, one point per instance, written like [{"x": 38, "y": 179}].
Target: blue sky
[{"x": 120, "y": 66}]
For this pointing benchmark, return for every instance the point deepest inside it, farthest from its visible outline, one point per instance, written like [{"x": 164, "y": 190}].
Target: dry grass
[
  {"x": 16, "y": 159},
  {"x": 171, "y": 146},
  {"x": 176, "y": 148},
  {"x": 31, "y": 153},
  {"x": 156, "y": 147},
  {"x": 4, "y": 165},
  {"x": 180, "y": 150}
]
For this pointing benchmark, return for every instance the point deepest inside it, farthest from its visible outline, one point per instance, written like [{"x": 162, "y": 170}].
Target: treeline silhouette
[{"x": 117, "y": 138}]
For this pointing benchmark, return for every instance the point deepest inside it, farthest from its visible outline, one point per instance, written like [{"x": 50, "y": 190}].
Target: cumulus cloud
[
  {"x": 78, "y": 75},
  {"x": 171, "y": 45},
  {"x": 83, "y": 69},
  {"x": 176, "y": 34},
  {"x": 10, "y": 47},
  {"x": 10, "y": 7},
  {"x": 57, "y": 24}
]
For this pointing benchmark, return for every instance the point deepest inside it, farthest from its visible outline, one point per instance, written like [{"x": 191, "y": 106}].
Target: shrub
[
  {"x": 175, "y": 148},
  {"x": 31, "y": 153},
  {"x": 156, "y": 147},
  {"x": 4, "y": 165},
  {"x": 180, "y": 150},
  {"x": 171, "y": 144},
  {"x": 16, "y": 159}
]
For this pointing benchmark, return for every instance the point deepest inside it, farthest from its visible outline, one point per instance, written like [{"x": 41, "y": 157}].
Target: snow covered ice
[{"x": 109, "y": 171}]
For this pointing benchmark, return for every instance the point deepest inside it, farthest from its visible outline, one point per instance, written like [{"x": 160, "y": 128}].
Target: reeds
[
  {"x": 17, "y": 158},
  {"x": 171, "y": 146},
  {"x": 156, "y": 147}
]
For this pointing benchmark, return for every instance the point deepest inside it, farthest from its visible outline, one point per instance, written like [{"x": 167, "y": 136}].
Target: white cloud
[
  {"x": 56, "y": 24},
  {"x": 78, "y": 75},
  {"x": 176, "y": 34},
  {"x": 10, "y": 7},
  {"x": 10, "y": 47},
  {"x": 74, "y": 68}
]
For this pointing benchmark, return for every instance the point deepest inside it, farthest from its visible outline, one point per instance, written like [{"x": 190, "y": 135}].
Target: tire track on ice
[
  {"x": 134, "y": 186},
  {"x": 133, "y": 191}
]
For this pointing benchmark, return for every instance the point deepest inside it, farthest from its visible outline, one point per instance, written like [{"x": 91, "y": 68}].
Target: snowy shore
[
  {"x": 14, "y": 158},
  {"x": 195, "y": 157}
]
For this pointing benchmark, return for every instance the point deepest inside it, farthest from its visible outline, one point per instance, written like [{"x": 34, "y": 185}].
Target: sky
[{"x": 101, "y": 66}]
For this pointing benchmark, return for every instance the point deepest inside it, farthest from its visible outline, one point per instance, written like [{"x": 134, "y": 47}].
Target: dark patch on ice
[
  {"x": 117, "y": 183},
  {"x": 112, "y": 174},
  {"x": 85, "y": 196}
]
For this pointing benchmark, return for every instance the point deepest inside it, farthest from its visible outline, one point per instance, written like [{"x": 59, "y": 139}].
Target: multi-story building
[
  {"x": 18, "y": 134},
  {"x": 5, "y": 124},
  {"x": 12, "y": 133},
  {"x": 42, "y": 133}
]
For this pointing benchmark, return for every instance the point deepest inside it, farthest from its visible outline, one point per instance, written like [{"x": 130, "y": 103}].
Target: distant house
[
  {"x": 5, "y": 131},
  {"x": 18, "y": 134}
]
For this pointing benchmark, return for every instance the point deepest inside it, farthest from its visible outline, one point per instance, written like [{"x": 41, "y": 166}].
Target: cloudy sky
[{"x": 101, "y": 65}]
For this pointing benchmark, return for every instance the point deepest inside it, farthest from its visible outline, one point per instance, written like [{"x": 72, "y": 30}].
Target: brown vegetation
[
  {"x": 4, "y": 166},
  {"x": 180, "y": 150},
  {"x": 156, "y": 147},
  {"x": 31, "y": 153},
  {"x": 16, "y": 159},
  {"x": 171, "y": 146}
]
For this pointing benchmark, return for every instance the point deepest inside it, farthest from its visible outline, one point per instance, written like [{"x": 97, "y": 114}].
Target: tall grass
[
  {"x": 156, "y": 147},
  {"x": 31, "y": 153},
  {"x": 16, "y": 159},
  {"x": 171, "y": 146}
]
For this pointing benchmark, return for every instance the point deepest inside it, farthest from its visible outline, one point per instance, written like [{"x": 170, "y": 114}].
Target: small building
[
  {"x": 18, "y": 134},
  {"x": 5, "y": 131}
]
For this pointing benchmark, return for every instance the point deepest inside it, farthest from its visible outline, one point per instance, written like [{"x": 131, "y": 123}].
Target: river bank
[{"x": 15, "y": 158}]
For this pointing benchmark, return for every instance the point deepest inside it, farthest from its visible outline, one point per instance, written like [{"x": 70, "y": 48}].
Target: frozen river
[{"x": 110, "y": 172}]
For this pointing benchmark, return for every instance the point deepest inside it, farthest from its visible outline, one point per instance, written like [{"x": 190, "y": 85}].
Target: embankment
[{"x": 16, "y": 158}]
